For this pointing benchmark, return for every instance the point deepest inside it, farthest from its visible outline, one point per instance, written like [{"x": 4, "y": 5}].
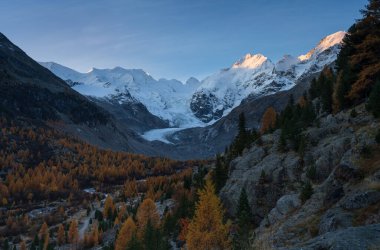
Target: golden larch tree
[
  {"x": 206, "y": 230},
  {"x": 43, "y": 231},
  {"x": 22, "y": 245},
  {"x": 61, "y": 235},
  {"x": 269, "y": 120},
  {"x": 127, "y": 230},
  {"x": 109, "y": 207},
  {"x": 73, "y": 233},
  {"x": 147, "y": 211}
]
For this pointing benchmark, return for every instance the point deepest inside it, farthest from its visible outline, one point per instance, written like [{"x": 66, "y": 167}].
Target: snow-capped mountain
[
  {"x": 257, "y": 75},
  {"x": 197, "y": 103},
  {"x": 167, "y": 99}
]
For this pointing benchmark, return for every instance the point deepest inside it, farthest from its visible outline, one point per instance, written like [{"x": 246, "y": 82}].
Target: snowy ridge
[
  {"x": 257, "y": 75},
  {"x": 167, "y": 99}
]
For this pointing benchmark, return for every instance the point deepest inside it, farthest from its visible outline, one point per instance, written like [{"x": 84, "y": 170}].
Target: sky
[{"x": 170, "y": 38}]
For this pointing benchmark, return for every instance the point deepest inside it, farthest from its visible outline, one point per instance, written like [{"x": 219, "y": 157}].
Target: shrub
[
  {"x": 353, "y": 113},
  {"x": 306, "y": 191},
  {"x": 366, "y": 151},
  {"x": 311, "y": 172}
]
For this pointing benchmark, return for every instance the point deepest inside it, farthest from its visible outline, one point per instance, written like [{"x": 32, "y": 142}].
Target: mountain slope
[
  {"x": 30, "y": 91},
  {"x": 257, "y": 75}
]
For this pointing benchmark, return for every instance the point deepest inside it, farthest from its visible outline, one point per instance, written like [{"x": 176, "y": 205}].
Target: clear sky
[{"x": 170, "y": 38}]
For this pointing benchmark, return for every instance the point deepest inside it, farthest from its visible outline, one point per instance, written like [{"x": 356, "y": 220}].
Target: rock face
[{"x": 345, "y": 203}]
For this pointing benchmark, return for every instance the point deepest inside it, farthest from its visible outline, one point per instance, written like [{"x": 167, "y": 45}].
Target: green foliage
[
  {"x": 306, "y": 191},
  {"x": 220, "y": 174},
  {"x": 353, "y": 113},
  {"x": 323, "y": 88},
  {"x": 244, "y": 222},
  {"x": 99, "y": 215},
  {"x": 6, "y": 245},
  {"x": 244, "y": 214},
  {"x": 134, "y": 244},
  {"x": 374, "y": 100},
  {"x": 311, "y": 172},
  {"x": 366, "y": 151},
  {"x": 153, "y": 239},
  {"x": 292, "y": 121}
]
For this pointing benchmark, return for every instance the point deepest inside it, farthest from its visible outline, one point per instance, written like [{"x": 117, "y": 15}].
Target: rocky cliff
[{"x": 342, "y": 163}]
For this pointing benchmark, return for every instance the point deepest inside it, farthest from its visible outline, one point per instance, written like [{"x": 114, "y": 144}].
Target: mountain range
[{"x": 166, "y": 117}]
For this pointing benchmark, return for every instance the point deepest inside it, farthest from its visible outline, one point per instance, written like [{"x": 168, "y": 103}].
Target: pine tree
[
  {"x": 125, "y": 235},
  {"x": 207, "y": 230},
  {"x": 134, "y": 244},
  {"x": 374, "y": 100},
  {"x": 306, "y": 191},
  {"x": 241, "y": 139},
  {"x": 220, "y": 174},
  {"x": 244, "y": 214}
]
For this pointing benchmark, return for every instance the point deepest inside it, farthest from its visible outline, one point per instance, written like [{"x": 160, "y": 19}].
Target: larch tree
[
  {"x": 109, "y": 207},
  {"x": 73, "y": 233},
  {"x": 207, "y": 230},
  {"x": 125, "y": 235},
  {"x": 43, "y": 231},
  {"x": 61, "y": 235},
  {"x": 269, "y": 120},
  {"x": 147, "y": 211},
  {"x": 22, "y": 245}
]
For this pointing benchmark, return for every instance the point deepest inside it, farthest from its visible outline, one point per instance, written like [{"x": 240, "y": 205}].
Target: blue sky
[{"x": 170, "y": 38}]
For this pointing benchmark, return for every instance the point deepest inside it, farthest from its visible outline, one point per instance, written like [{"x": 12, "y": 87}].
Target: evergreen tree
[
  {"x": 244, "y": 221},
  {"x": 35, "y": 243},
  {"x": 306, "y": 191},
  {"x": 6, "y": 244},
  {"x": 134, "y": 244},
  {"x": 374, "y": 100},
  {"x": 220, "y": 174},
  {"x": 244, "y": 214}
]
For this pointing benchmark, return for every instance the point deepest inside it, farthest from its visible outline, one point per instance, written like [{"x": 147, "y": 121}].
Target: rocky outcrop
[
  {"x": 346, "y": 198},
  {"x": 352, "y": 238}
]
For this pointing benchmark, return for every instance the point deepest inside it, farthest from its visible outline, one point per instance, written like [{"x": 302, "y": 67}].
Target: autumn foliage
[
  {"x": 207, "y": 230},
  {"x": 128, "y": 229},
  {"x": 147, "y": 211},
  {"x": 269, "y": 120}
]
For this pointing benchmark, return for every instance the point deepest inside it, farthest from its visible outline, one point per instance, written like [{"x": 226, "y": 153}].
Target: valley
[{"x": 260, "y": 155}]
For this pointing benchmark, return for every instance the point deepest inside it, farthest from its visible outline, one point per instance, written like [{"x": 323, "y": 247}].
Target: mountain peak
[
  {"x": 324, "y": 44},
  {"x": 250, "y": 61},
  {"x": 192, "y": 81}
]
